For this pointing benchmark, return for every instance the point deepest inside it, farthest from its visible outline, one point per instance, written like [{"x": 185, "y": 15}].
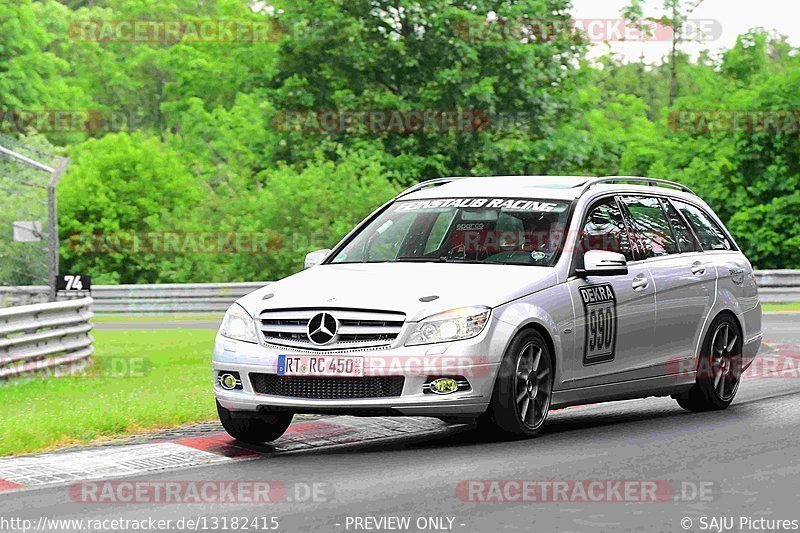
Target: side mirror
[
  {"x": 314, "y": 258},
  {"x": 602, "y": 263}
]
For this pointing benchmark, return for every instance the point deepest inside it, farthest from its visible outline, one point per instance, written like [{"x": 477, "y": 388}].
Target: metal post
[{"x": 52, "y": 224}]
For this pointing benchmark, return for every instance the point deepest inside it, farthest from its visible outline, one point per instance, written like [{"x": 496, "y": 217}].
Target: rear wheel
[
  {"x": 522, "y": 393},
  {"x": 719, "y": 369},
  {"x": 254, "y": 428}
]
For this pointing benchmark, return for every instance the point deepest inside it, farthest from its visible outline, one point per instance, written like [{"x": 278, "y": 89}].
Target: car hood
[{"x": 399, "y": 287}]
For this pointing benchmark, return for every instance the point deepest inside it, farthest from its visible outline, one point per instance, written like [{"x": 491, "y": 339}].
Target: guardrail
[
  {"x": 143, "y": 299},
  {"x": 26, "y": 295},
  {"x": 170, "y": 297},
  {"x": 47, "y": 337},
  {"x": 774, "y": 286}
]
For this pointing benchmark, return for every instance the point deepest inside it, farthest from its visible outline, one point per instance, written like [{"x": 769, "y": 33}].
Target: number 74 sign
[{"x": 73, "y": 283}]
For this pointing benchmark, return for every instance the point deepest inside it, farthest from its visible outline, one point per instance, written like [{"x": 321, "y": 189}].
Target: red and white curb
[{"x": 106, "y": 462}]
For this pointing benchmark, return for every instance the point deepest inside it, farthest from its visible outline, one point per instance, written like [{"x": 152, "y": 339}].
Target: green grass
[
  {"x": 771, "y": 308},
  {"x": 177, "y": 317},
  {"x": 140, "y": 381}
]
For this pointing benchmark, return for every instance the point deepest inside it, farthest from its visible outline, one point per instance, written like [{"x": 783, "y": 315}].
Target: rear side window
[
  {"x": 709, "y": 233},
  {"x": 604, "y": 229},
  {"x": 652, "y": 232},
  {"x": 686, "y": 240}
]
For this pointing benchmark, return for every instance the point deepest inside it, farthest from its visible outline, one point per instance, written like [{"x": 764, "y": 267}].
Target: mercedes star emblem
[{"x": 322, "y": 328}]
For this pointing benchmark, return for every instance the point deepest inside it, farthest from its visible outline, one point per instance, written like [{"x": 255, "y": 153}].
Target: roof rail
[
  {"x": 652, "y": 182},
  {"x": 425, "y": 184}
]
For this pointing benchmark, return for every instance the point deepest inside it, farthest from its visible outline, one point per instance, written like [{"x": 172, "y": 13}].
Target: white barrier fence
[
  {"x": 170, "y": 298},
  {"x": 50, "y": 338},
  {"x": 774, "y": 286},
  {"x": 143, "y": 299}
]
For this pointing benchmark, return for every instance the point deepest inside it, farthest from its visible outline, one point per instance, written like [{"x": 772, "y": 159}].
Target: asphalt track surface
[{"x": 740, "y": 463}]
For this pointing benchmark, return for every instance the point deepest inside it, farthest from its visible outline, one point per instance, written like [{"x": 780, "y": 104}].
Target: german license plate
[{"x": 320, "y": 365}]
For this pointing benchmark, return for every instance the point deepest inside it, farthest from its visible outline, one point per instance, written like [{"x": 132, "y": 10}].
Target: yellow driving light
[
  {"x": 444, "y": 386},
  {"x": 229, "y": 381}
]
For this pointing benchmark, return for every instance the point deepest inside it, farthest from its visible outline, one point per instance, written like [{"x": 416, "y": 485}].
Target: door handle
[
  {"x": 640, "y": 283},
  {"x": 698, "y": 268}
]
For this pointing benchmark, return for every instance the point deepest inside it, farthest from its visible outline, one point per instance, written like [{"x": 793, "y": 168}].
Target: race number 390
[{"x": 600, "y": 312}]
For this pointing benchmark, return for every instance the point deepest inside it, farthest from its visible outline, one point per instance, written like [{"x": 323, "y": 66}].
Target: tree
[
  {"x": 121, "y": 188},
  {"x": 31, "y": 75},
  {"x": 675, "y": 14},
  {"x": 214, "y": 150},
  {"x": 301, "y": 211},
  {"x": 756, "y": 52},
  {"x": 434, "y": 55},
  {"x": 739, "y": 146}
]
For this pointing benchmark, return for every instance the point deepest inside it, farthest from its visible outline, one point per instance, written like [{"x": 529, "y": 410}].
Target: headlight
[
  {"x": 455, "y": 325},
  {"x": 238, "y": 325}
]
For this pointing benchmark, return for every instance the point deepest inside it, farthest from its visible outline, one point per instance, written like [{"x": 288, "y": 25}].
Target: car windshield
[{"x": 521, "y": 231}]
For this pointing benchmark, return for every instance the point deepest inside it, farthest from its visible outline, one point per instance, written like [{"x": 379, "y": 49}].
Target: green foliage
[
  {"x": 31, "y": 76},
  {"x": 749, "y": 170},
  {"x": 301, "y": 211},
  {"x": 117, "y": 224},
  {"x": 770, "y": 232},
  {"x": 119, "y": 187},
  {"x": 211, "y": 153},
  {"x": 436, "y": 55}
]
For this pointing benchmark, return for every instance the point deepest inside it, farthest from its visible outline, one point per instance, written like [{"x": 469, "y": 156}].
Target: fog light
[
  {"x": 444, "y": 386},
  {"x": 229, "y": 381}
]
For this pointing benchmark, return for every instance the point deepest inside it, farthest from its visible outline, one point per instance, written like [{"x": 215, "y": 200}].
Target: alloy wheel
[
  {"x": 533, "y": 385},
  {"x": 725, "y": 361}
]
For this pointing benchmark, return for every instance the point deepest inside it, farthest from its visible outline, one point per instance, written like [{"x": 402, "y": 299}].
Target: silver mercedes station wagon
[{"x": 495, "y": 300}]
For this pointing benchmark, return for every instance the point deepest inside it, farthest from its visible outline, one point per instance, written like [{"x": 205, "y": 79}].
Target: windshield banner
[{"x": 485, "y": 203}]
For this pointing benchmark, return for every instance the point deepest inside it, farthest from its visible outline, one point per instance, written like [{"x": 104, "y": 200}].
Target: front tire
[
  {"x": 523, "y": 390},
  {"x": 254, "y": 428},
  {"x": 719, "y": 369}
]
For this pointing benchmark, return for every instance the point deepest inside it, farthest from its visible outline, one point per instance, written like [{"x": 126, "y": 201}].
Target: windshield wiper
[
  {"x": 442, "y": 259},
  {"x": 421, "y": 259}
]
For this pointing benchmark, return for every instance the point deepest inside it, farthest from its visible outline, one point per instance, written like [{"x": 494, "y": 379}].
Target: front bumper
[{"x": 472, "y": 359}]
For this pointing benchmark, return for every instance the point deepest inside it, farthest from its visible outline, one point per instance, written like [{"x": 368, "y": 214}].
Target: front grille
[
  {"x": 356, "y": 328},
  {"x": 327, "y": 388}
]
